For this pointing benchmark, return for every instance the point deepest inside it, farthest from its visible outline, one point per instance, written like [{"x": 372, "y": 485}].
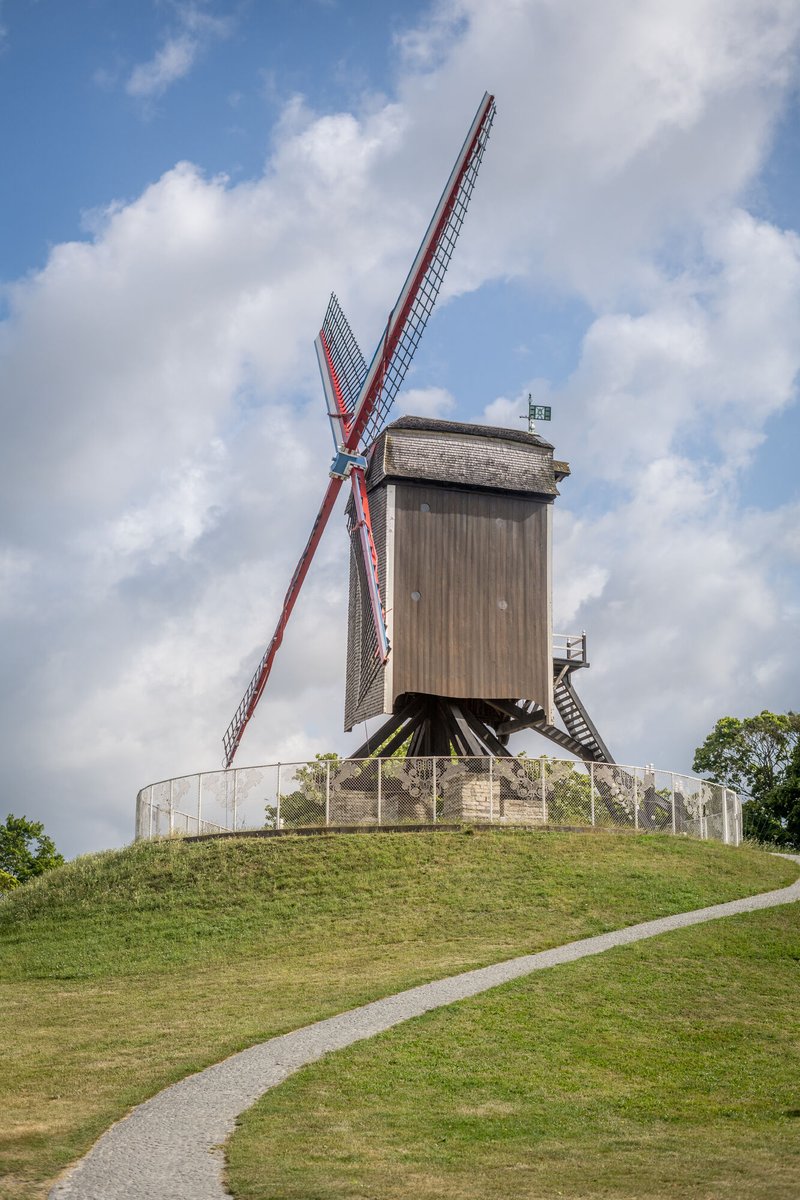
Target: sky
[{"x": 185, "y": 183}]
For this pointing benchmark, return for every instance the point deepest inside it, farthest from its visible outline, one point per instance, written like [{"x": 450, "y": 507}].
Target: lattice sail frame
[
  {"x": 343, "y": 371},
  {"x": 341, "y": 363},
  {"x": 416, "y": 301},
  {"x": 342, "y": 367},
  {"x": 374, "y": 639}
]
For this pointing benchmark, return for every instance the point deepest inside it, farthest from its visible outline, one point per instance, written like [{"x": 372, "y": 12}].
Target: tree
[
  {"x": 25, "y": 849},
  {"x": 758, "y": 757},
  {"x": 305, "y": 805},
  {"x": 749, "y": 755},
  {"x": 7, "y": 882},
  {"x": 784, "y": 800}
]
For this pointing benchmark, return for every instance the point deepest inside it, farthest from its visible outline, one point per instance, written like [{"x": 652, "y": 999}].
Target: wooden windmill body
[{"x": 462, "y": 522}]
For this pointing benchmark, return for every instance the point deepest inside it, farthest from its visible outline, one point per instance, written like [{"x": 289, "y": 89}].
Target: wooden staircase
[
  {"x": 579, "y": 735},
  {"x": 581, "y": 729}
]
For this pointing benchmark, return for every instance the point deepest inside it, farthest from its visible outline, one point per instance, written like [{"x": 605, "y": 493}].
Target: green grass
[
  {"x": 122, "y": 972},
  {"x": 669, "y": 1068}
]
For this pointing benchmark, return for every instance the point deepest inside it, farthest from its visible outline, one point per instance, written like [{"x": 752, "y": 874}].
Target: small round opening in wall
[
  {"x": 424, "y": 508},
  {"x": 502, "y": 605},
  {"x": 416, "y": 596}
]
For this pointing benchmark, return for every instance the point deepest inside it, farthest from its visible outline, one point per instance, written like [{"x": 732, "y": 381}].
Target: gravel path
[{"x": 170, "y": 1147}]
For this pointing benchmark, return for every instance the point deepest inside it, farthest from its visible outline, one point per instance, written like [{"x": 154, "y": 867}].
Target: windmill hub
[{"x": 343, "y": 464}]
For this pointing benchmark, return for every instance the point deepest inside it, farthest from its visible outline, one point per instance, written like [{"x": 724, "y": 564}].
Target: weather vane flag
[{"x": 536, "y": 412}]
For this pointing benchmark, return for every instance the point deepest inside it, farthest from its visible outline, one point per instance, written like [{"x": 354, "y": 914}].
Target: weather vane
[{"x": 536, "y": 412}]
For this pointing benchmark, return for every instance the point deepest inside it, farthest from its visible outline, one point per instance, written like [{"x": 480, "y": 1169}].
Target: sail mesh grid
[
  {"x": 428, "y": 290},
  {"x": 370, "y": 662},
  {"x": 347, "y": 359}
]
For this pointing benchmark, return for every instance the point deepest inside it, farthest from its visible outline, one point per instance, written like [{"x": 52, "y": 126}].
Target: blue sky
[
  {"x": 78, "y": 138},
  {"x": 185, "y": 183}
]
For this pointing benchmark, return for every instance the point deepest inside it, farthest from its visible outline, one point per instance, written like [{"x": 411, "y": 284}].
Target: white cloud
[
  {"x": 171, "y": 62},
  {"x": 619, "y": 126},
  {"x": 671, "y": 404},
  {"x": 508, "y": 411},
  {"x": 16, "y": 570},
  {"x": 166, "y": 449},
  {"x": 178, "y": 53},
  {"x": 712, "y": 359},
  {"x": 426, "y": 402}
]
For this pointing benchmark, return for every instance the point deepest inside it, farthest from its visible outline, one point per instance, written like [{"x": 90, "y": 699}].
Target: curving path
[{"x": 170, "y": 1147}]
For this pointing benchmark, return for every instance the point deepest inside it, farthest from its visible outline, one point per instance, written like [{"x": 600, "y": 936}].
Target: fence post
[
  {"x": 434, "y": 790},
  {"x": 200, "y": 802},
  {"x": 725, "y": 815},
  {"x": 327, "y": 792},
  {"x": 591, "y": 789},
  {"x": 544, "y": 791},
  {"x": 235, "y": 796},
  {"x": 380, "y": 776},
  {"x": 635, "y": 801},
  {"x": 491, "y": 790},
  {"x": 171, "y": 809},
  {"x": 674, "y": 827},
  {"x": 278, "y": 801}
]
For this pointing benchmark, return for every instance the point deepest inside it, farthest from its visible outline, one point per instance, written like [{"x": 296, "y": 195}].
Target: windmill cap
[
  {"x": 434, "y": 425},
  {"x": 461, "y": 455}
]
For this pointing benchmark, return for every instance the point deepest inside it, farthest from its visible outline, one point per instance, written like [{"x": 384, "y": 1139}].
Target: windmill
[
  {"x": 440, "y": 515},
  {"x": 359, "y": 397}
]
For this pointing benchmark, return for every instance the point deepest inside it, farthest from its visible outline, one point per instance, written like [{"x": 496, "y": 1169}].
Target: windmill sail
[
  {"x": 369, "y": 557},
  {"x": 358, "y": 412},
  {"x": 247, "y": 705},
  {"x": 410, "y": 314}
]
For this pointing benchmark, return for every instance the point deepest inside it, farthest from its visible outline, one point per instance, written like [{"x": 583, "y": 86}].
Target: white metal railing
[
  {"x": 333, "y": 792},
  {"x": 570, "y": 647}
]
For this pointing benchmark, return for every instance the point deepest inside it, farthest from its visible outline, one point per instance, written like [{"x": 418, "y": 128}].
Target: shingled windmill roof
[{"x": 465, "y": 455}]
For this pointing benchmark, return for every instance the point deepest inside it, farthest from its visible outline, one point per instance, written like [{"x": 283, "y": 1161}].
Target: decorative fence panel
[{"x": 333, "y": 792}]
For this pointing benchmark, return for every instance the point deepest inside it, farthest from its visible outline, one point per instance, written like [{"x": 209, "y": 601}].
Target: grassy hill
[
  {"x": 122, "y": 972},
  {"x": 664, "y": 1069}
]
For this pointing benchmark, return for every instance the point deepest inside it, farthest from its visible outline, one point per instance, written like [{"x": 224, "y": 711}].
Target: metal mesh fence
[{"x": 331, "y": 792}]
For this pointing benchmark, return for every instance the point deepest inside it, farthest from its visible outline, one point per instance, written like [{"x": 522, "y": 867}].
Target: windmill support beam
[
  {"x": 467, "y": 732},
  {"x": 453, "y": 733},
  {"x": 404, "y": 720},
  {"x": 486, "y": 736},
  {"x": 519, "y": 717},
  {"x": 435, "y": 725}
]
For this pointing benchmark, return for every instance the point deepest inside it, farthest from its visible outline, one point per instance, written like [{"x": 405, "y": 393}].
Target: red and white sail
[{"x": 358, "y": 398}]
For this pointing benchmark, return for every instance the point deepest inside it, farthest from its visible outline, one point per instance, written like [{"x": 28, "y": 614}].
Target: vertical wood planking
[{"x": 479, "y": 562}]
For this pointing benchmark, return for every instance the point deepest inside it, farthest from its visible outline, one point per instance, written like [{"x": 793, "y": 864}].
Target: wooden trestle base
[{"x": 437, "y": 725}]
